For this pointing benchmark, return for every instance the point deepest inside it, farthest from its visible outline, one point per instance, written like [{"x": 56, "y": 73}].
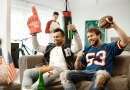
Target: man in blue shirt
[{"x": 96, "y": 62}]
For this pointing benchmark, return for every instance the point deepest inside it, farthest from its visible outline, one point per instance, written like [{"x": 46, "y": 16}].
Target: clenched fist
[
  {"x": 33, "y": 22},
  {"x": 80, "y": 55},
  {"x": 71, "y": 27}
]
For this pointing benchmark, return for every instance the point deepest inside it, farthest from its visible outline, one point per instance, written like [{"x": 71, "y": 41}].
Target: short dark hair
[
  {"x": 59, "y": 30},
  {"x": 55, "y": 13},
  {"x": 96, "y": 30}
]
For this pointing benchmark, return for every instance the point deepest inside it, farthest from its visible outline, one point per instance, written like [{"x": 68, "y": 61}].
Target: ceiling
[{"x": 59, "y": 4}]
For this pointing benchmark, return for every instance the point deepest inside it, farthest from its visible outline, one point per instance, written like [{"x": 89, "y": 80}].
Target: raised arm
[
  {"x": 36, "y": 46},
  {"x": 78, "y": 44},
  {"x": 123, "y": 37},
  {"x": 34, "y": 26}
]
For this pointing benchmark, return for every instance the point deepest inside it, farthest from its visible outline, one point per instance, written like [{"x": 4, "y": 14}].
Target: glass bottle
[
  {"x": 70, "y": 35},
  {"x": 41, "y": 85}
]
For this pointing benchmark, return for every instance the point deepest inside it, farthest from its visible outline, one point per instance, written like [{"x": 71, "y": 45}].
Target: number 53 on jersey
[{"x": 100, "y": 61}]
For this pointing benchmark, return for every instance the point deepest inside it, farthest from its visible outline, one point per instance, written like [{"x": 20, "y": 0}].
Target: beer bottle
[
  {"x": 41, "y": 85},
  {"x": 70, "y": 35}
]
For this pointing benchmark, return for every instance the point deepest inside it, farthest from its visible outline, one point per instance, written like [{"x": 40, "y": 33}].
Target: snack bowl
[{"x": 44, "y": 67}]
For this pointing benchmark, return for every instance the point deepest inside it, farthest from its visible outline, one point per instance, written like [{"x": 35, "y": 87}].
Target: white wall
[
  {"x": 119, "y": 10},
  {"x": 5, "y": 9},
  {"x": 53, "y": 4},
  {"x": 83, "y": 10}
]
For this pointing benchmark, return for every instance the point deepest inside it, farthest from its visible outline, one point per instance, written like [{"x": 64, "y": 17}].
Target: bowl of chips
[{"x": 44, "y": 67}]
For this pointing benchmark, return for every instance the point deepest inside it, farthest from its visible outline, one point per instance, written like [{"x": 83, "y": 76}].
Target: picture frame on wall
[{"x": 93, "y": 23}]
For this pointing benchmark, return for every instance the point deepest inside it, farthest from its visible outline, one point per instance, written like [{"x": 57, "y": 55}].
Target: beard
[{"x": 96, "y": 43}]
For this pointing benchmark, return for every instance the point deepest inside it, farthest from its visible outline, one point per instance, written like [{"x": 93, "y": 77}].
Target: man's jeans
[
  {"x": 33, "y": 74},
  {"x": 74, "y": 76}
]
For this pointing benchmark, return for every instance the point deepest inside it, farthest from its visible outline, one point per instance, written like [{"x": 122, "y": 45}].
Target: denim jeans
[
  {"x": 74, "y": 76},
  {"x": 32, "y": 74}
]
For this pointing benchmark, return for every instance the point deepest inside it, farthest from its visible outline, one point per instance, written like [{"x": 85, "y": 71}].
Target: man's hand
[
  {"x": 71, "y": 27},
  {"x": 78, "y": 65},
  {"x": 113, "y": 25},
  {"x": 80, "y": 55},
  {"x": 52, "y": 30},
  {"x": 33, "y": 22}
]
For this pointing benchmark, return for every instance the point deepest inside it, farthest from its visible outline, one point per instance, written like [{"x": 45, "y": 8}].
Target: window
[{"x": 19, "y": 17}]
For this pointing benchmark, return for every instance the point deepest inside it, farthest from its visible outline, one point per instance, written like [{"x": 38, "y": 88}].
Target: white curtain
[{"x": 19, "y": 17}]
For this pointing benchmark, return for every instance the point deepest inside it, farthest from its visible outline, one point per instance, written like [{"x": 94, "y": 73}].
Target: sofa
[{"x": 120, "y": 78}]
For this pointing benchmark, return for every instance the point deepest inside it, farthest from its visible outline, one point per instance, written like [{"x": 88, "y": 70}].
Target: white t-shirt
[
  {"x": 51, "y": 25},
  {"x": 57, "y": 57}
]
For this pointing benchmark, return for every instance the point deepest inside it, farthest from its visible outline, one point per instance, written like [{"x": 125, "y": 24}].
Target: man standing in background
[{"x": 51, "y": 26}]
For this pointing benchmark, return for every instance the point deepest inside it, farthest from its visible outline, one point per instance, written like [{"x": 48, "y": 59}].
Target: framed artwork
[{"x": 93, "y": 23}]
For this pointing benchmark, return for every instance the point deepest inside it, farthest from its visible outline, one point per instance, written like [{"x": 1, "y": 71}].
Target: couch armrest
[{"x": 26, "y": 62}]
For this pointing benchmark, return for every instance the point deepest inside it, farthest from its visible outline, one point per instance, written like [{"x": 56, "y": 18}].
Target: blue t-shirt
[{"x": 101, "y": 57}]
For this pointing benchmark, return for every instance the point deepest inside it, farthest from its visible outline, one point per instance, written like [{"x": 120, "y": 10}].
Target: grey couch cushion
[
  {"x": 117, "y": 83},
  {"x": 121, "y": 65}
]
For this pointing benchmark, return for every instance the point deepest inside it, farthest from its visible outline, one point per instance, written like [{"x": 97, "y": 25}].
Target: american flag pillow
[{"x": 7, "y": 69}]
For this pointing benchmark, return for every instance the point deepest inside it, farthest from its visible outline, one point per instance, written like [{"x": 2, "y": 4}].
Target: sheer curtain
[{"x": 19, "y": 17}]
